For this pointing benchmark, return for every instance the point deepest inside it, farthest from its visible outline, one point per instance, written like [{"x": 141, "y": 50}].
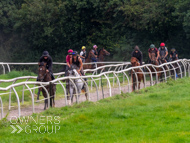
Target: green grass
[{"x": 158, "y": 114}]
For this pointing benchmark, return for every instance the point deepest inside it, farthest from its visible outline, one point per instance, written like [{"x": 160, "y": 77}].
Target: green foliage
[{"x": 28, "y": 27}]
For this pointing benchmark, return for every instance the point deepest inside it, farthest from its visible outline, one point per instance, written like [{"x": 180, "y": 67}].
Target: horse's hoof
[{"x": 69, "y": 102}]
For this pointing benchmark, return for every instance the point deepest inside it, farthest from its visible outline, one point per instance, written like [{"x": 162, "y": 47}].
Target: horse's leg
[
  {"x": 73, "y": 92},
  {"x": 86, "y": 95},
  {"x": 53, "y": 101},
  {"x": 71, "y": 95},
  {"x": 134, "y": 82},
  {"x": 50, "y": 101},
  {"x": 54, "y": 90},
  {"x": 79, "y": 92},
  {"x": 45, "y": 96},
  {"x": 38, "y": 94}
]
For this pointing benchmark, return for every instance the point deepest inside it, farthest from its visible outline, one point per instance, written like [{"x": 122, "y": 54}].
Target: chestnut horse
[
  {"x": 154, "y": 61},
  {"x": 134, "y": 63},
  {"x": 44, "y": 76},
  {"x": 101, "y": 55}
]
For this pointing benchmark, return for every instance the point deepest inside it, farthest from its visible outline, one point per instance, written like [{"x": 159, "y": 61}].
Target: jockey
[
  {"x": 153, "y": 49},
  {"x": 137, "y": 54},
  {"x": 94, "y": 54},
  {"x": 163, "y": 51},
  {"x": 77, "y": 61},
  {"x": 46, "y": 58},
  {"x": 68, "y": 57},
  {"x": 173, "y": 55},
  {"x": 83, "y": 54}
]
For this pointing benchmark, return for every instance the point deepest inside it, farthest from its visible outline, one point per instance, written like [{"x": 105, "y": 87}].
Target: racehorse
[
  {"x": 162, "y": 61},
  {"x": 175, "y": 65},
  {"x": 72, "y": 72},
  {"x": 101, "y": 55},
  {"x": 44, "y": 76},
  {"x": 134, "y": 63},
  {"x": 154, "y": 61}
]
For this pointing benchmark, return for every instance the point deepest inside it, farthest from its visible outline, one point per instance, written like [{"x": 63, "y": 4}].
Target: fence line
[
  {"x": 181, "y": 69},
  {"x": 7, "y": 64}
]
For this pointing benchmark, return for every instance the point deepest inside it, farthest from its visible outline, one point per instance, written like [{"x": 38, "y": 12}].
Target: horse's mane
[
  {"x": 41, "y": 64},
  {"x": 99, "y": 51}
]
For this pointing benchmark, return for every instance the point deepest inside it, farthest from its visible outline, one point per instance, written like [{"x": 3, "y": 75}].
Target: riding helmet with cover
[
  {"x": 152, "y": 46},
  {"x": 83, "y": 47},
  {"x": 173, "y": 49},
  {"x": 95, "y": 46},
  {"x": 74, "y": 53},
  {"x": 162, "y": 45},
  {"x": 70, "y": 51},
  {"x": 45, "y": 54},
  {"x": 136, "y": 48}
]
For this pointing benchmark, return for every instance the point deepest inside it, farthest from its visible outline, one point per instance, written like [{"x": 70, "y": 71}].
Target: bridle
[
  {"x": 105, "y": 52},
  {"x": 43, "y": 76}
]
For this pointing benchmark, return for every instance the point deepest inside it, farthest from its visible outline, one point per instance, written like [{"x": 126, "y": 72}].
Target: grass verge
[{"x": 155, "y": 114}]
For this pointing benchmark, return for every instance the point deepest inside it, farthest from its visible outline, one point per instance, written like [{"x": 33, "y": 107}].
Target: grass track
[{"x": 157, "y": 114}]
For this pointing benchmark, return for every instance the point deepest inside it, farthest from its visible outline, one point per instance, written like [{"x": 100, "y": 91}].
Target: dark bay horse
[
  {"x": 44, "y": 76},
  {"x": 101, "y": 55},
  {"x": 134, "y": 63}
]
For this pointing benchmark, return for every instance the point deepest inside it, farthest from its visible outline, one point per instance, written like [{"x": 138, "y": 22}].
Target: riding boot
[
  {"x": 66, "y": 70},
  {"x": 52, "y": 76},
  {"x": 82, "y": 72}
]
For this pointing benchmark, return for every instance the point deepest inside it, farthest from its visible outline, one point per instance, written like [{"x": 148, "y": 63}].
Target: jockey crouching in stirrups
[
  {"x": 94, "y": 54},
  {"x": 83, "y": 54},
  {"x": 78, "y": 62},
  {"x": 137, "y": 54},
  {"x": 163, "y": 53},
  {"x": 47, "y": 59}
]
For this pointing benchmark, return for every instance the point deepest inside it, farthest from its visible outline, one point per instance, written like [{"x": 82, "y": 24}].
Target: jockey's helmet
[
  {"x": 74, "y": 53},
  {"x": 95, "y": 46},
  {"x": 70, "y": 51},
  {"x": 152, "y": 46},
  {"x": 136, "y": 48},
  {"x": 173, "y": 49},
  {"x": 45, "y": 53},
  {"x": 83, "y": 47},
  {"x": 162, "y": 45}
]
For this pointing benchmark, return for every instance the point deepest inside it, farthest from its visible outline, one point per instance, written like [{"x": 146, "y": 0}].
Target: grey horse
[{"x": 72, "y": 72}]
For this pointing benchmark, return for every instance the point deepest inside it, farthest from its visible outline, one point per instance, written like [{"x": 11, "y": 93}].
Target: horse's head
[
  {"x": 41, "y": 71},
  {"x": 72, "y": 71},
  {"x": 103, "y": 52},
  {"x": 153, "y": 58},
  {"x": 134, "y": 62},
  {"x": 162, "y": 59}
]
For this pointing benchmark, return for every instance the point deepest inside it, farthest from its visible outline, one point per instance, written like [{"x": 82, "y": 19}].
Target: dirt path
[{"x": 26, "y": 111}]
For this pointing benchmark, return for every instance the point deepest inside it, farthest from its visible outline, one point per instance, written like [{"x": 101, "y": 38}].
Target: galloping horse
[
  {"x": 175, "y": 65},
  {"x": 101, "y": 55},
  {"x": 44, "y": 76},
  {"x": 154, "y": 62},
  {"x": 135, "y": 62},
  {"x": 78, "y": 82},
  {"x": 162, "y": 61}
]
